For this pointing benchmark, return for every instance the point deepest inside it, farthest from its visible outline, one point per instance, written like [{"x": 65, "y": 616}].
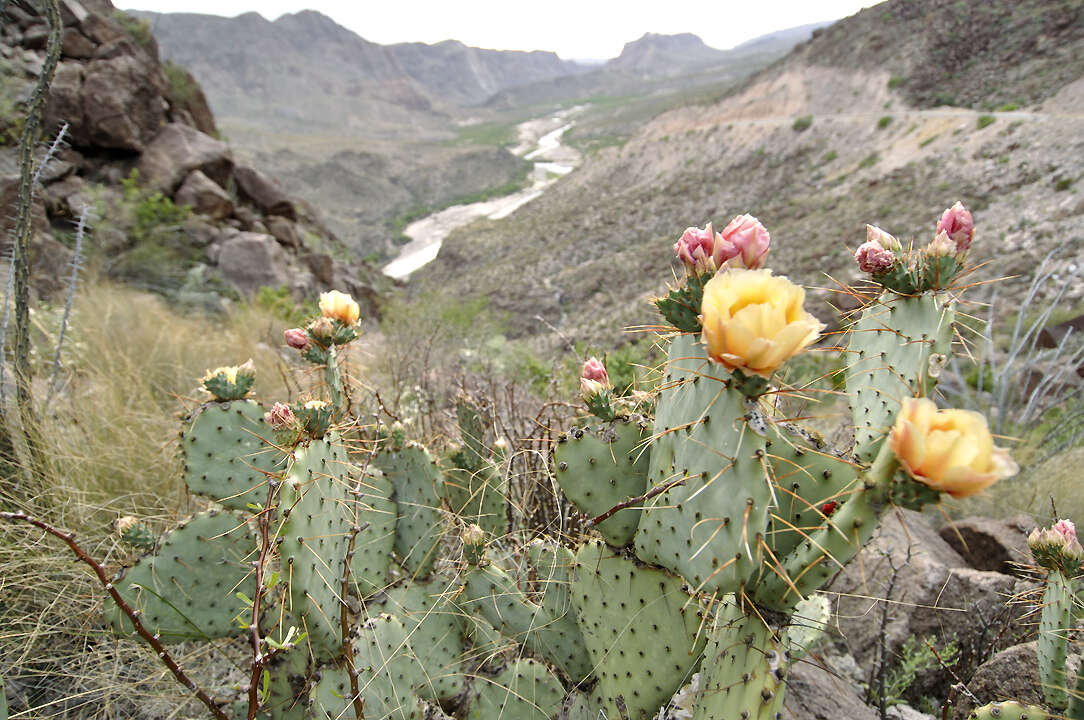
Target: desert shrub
[
  {"x": 985, "y": 121},
  {"x": 137, "y": 28},
  {"x": 802, "y": 123},
  {"x": 884, "y": 122}
]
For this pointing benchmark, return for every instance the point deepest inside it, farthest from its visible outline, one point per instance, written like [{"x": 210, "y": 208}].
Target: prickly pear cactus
[
  {"x": 708, "y": 526},
  {"x": 525, "y": 690},
  {"x": 227, "y": 455},
  {"x": 417, "y": 480},
  {"x": 599, "y": 466},
  {"x": 377, "y": 515},
  {"x": 189, "y": 589},
  {"x": 315, "y": 501},
  {"x": 1010, "y": 710},
  {"x": 642, "y": 629},
  {"x": 897, "y": 349}
]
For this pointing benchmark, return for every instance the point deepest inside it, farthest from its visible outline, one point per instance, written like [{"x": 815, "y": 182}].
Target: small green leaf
[{"x": 244, "y": 598}]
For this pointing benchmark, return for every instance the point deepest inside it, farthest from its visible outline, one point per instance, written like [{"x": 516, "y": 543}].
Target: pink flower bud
[
  {"x": 958, "y": 223},
  {"x": 695, "y": 246},
  {"x": 744, "y": 240},
  {"x": 1066, "y": 528},
  {"x": 280, "y": 417},
  {"x": 297, "y": 338},
  {"x": 322, "y": 329},
  {"x": 593, "y": 369},
  {"x": 941, "y": 245},
  {"x": 875, "y": 234},
  {"x": 874, "y": 259}
]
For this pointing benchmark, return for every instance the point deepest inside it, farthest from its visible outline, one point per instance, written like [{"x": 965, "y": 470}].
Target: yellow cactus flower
[
  {"x": 754, "y": 321},
  {"x": 339, "y": 306},
  {"x": 950, "y": 451},
  {"x": 229, "y": 372}
]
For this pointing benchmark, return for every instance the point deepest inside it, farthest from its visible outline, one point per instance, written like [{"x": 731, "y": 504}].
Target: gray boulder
[
  {"x": 988, "y": 544},
  {"x": 263, "y": 192},
  {"x": 122, "y": 103},
  {"x": 204, "y": 196},
  {"x": 249, "y": 261},
  {"x": 819, "y": 693},
  {"x": 178, "y": 150}
]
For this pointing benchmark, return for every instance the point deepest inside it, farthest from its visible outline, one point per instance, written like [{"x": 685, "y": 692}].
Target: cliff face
[
  {"x": 654, "y": 54},
  {"x": 170, "y": 207}
]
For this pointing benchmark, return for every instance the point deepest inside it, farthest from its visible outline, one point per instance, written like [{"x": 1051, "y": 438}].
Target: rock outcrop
[{"x": 126, "y": 112}]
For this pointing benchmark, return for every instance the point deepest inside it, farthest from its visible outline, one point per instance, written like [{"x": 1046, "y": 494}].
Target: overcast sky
[{"x": 574, "y": 29}]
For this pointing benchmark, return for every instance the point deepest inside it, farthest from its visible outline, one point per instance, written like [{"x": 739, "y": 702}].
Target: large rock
[
  {"x": 100, "y": 29},
  {"x": 284, "y": 231},
  {"x": 1012, "y": 674},
  {"x": 178, "y": 150},
  {"x": 50, "y": 262},
  {"x": 250, "y": 261},
  {"x": 186, "y": 98},
  {"x": 75, "y": 44},
  {"x": 817, "y": 693},
  {"x": 205, "y": 196},
  {"x": 909, "y": 583},
  {"x": 263, "y": 192},
  {"x": 988, "y": 544},
  {"x": 122, "y": 102},
  {"x": 65, "y": 102}
]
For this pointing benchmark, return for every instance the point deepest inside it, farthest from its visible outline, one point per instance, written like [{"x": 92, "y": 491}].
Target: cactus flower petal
[
  {"x": 957, "y": 223},
  {"x": 745, "y": 241},
  {"x": 754, "y": 321},
  {"x": 339, "y": 306},
  {"x": 950, "y": 451}
]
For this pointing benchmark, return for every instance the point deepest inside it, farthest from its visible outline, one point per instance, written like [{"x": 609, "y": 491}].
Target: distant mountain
[
  {"x": 656, "y": 54},
  {"x": 467, "y": 76}
]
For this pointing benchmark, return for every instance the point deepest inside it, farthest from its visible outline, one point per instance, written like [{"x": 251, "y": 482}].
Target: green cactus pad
[
  {"x": 641, "y": 629},
  {"x": 227, "y": 456},
  {"x": 316, "y": 504},
  {"x": 435, "y": 627},
  {"x": 288, "y": 681},
  {"x": 681, "y": 306},
  {"x": 709, "y": 526},
  {"x": 487, "y": 648},
  {"x": 387, "y": 673},
  {"x": 377, "y": 516},
  {"x": 1010, "y": 710},
  {"x": 889, "y": 358},
  {"x": 417, "y": 481},
  {"x": 1055, "y": 624},
  {"x": 807, "y": 626},
  {"x": 478, "y": 496},
  {"x": 525, "y": 690},
  {"x": 811, "y": 480},
  {"x": 472, "y": 432},
  {"x": 496, "y": 595},
  {"x": 188, "y": 590},
  {"x": 743, "y": 670},
  {"x": 601, "y": 466}
]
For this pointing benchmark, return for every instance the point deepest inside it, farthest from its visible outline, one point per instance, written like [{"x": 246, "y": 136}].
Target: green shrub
[
  {"x": 884, "y": 122},
  {"x": 281, "y": 304},
  {"x": 985, "y": 121},
  {"x": 157, "y": 253},
  {"x": 802, "y": 123},
  {"x": 894, "y": 82},
  {"x": 181, "y": 85},
  {"x": 1063, "y": 184},
  {"x": 829, "y": 157},
  {"x": 1008, "y": 107},
  {"x": 137, "y": 28},
  {"x": 928, "y": 140},
  {"x": 870, "y": 160}
]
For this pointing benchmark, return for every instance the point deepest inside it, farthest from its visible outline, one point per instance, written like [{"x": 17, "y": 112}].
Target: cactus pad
[
  {"x": 478, "y": 496},
  {"x": 890, "y": 357},
  {"x": 525, "y": 690},
  {"x": 316, "y": 502},
  {"x": 709, "y": 525},
  {"x": 435, "y": 628},
  {"x": 743, "y": 670},
  {"x": 187, "y": 591},
  {"x": 1055, "y": 624},
  {"x": 387, "y": 672},
  {"x": 417, "y": 481},
  {"x": 640, "y": 627},
  {"x": 227, "y": 456},
  {"x": 1010, "y": 710},
  {"x": 602, "y": 466},
  {"x": 377, "y": 515}
]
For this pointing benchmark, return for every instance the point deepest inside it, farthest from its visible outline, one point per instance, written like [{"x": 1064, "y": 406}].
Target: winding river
[{"x": 540, "y": 141}]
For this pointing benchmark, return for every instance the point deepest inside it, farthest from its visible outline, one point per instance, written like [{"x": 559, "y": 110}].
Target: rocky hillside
[
  {"x": 815, "y": 149},
  {"x": 170, "y": 207}
]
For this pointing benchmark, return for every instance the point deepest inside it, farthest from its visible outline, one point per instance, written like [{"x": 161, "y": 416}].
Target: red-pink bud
[
  {"x": 297, "y": 338},
  {"x": 959, "y": 225},
  {"x": 1066, "y": 528},
  {"x": 745, "y": 240},
  {"x": 280, "y": 417},
  {"x": 873, "y": 258},
  {"x": 593, "y": 369},
  {"x": 695, "y": 246}
]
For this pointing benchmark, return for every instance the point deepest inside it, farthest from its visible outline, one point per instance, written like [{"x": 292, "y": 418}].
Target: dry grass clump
[{"x": 131, "y": 369}]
